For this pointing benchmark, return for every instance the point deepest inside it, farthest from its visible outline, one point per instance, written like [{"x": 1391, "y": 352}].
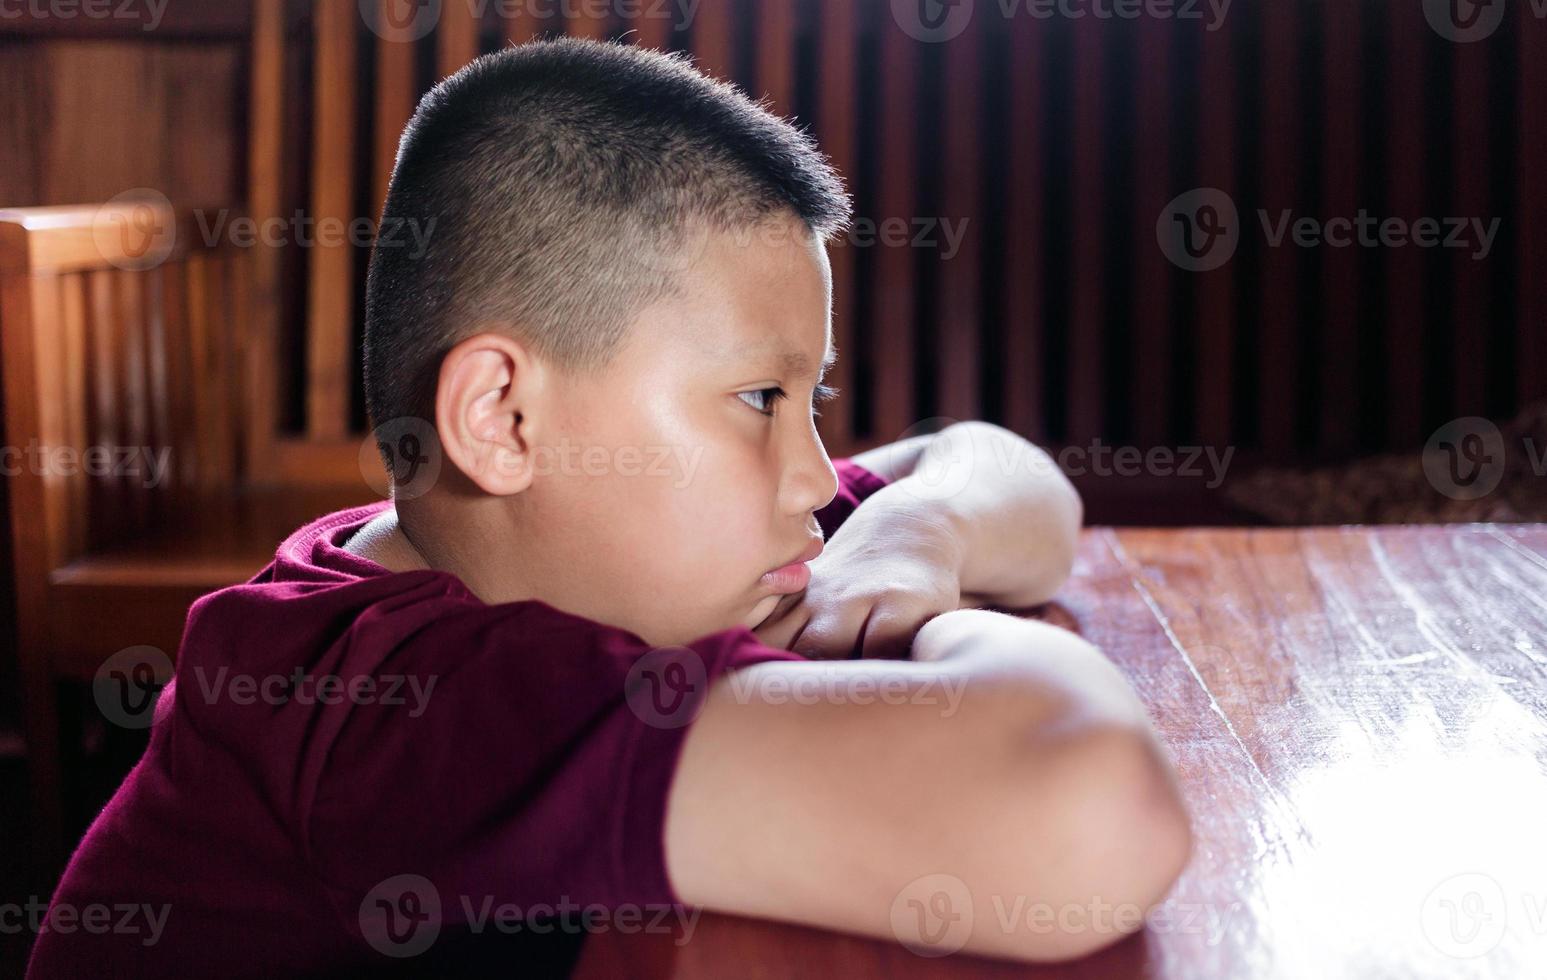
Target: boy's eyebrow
[{"x": 797, "y": 363}]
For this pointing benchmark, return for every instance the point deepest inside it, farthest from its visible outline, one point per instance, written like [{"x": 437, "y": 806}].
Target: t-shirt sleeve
[
  {"x": 855, "y": 483},
  {"x": 529, "y": 767}
]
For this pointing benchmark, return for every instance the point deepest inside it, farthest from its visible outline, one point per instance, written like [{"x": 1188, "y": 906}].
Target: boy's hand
[{"x": 887, "y": 571}]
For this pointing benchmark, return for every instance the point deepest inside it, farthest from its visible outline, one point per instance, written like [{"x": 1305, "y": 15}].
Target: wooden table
[{"x": 1359, "y": 718}]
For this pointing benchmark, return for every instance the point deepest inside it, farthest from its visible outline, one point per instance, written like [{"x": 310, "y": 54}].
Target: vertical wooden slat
[
  {"x": 1154, "y": 275},
  {"x": 652, "y": 25},
  {"x": 1216, "y": 289},
  {"x": 960, "y": 318},
  {"x": 133, "y": 373},
  {"x": 220, "y": 321},
  {"x": 894, "y": 282},
  {"x": 330, "y": 301},
  {"x": 105, "y": 424},
  {"x": 181, "y": 379},
  {"x": 1406, "y": 103},
  {"x": 776, "y": 54},
  {"x": 73, "y": 362},
  {"x": 593, "y": 22},
  {"x": 1090, "y": 261},
  {"x": 522, "y": 24},
  {"x": 1471, "y": 174},
  {"x": 1531, "y": 209},
  {"x": 266, "y": 176},
  {"x": 1339, "y": 319},
  {"x": 394, "y": 106},
  {"x": 837, "y": 129},
  {"x": 456, "y": 36},
  {"x": 201, "y": 385},
  {"x": 159, "y": 381},
  {"x": 1278, "y": 362},
  {"x": 714, "y": 39},
  {"x": 1025, "y": 234}
]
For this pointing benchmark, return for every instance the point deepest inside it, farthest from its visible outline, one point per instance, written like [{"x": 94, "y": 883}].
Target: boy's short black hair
[{"x": 554, "y": 184}]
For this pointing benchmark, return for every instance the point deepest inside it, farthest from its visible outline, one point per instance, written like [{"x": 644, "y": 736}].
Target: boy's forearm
[{"x": 1014, "y": 516}]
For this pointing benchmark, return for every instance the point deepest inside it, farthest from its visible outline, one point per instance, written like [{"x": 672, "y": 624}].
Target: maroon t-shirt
[{"x": 353, "y": 764}]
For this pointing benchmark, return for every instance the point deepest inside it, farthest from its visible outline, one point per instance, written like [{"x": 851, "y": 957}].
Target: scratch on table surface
[
  {"x": 1424, "y": 620},
  {"x": 1127, "y": 562}
]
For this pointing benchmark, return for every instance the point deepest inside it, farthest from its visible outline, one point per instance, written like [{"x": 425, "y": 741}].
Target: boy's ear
[{"x": 484, "y": 399}]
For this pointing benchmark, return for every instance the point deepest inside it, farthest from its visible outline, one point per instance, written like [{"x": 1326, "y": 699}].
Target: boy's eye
[
  {"x": 768, "y": 397},
  {"x": 764, "y": 398}
]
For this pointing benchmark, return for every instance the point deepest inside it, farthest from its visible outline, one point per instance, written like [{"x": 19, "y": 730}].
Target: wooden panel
[
  {"x": 456, "y": 36},
  {"x": 651, "y": 25},
  {"x": 330, "y": 297},
  {"x": 714, "y": 39},
  {"x": 1530, "y": 217},
  {"x": 837, "y": 129},
  {"x": 73, "y": 366},
  {"x": 522, "y": 24},
  {"x": 960, "y": 318},
  {"x": 1026, "y": 234},
  {"x": 1089, "y": 262},
  {"x": 265, "y": 194},
  {"x": 1215, "y": 346},
  {"x": 65, "y": 100},
  {"x": 775, "y": 32},
  {"x": 104, "y": 406},
  {"x": 1340, "y": 266},
  {"x": 395, "y": 97},
  {"x": 1280, "y": 383},
  {"x": 1154, "y": 275},
  {"x": 1471, "y": 173},
  {"x": 590, "y": 21},
  {"x": 895, "y": 277},
  {"x": 1406, "y": 104}
]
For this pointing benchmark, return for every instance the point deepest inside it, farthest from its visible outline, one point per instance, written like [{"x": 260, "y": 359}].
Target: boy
[{"x": 663, "y": 649}]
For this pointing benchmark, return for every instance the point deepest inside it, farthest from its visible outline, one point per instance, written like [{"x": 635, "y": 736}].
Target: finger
[
  {"x": 889, "y": 633},
  {"x": 824, "y": 638}
]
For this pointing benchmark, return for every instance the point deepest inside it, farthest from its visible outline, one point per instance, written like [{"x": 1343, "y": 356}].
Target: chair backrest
[{"x": 120, "y": 332}]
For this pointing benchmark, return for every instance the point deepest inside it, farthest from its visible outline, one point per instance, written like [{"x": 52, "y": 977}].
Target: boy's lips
[{"x": 795, "y": 575}]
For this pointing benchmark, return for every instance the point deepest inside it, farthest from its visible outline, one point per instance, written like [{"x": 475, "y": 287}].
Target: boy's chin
[{"x": 760, "y": 612}]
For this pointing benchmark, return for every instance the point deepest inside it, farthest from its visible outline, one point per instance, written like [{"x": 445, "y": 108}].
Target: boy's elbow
[{"x": 1114, "y": 838}]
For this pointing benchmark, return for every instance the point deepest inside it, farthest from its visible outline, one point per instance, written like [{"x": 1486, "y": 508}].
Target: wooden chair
[{"x": 123, "y": 335}]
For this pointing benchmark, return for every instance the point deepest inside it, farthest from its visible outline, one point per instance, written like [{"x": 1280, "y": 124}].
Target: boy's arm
[
  {"x": 1009, "y": 757},
  {"x": 1014, "y": 517}
]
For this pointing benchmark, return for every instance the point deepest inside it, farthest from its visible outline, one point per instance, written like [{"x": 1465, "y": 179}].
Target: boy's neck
[{"x": 382, "y": 541}]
